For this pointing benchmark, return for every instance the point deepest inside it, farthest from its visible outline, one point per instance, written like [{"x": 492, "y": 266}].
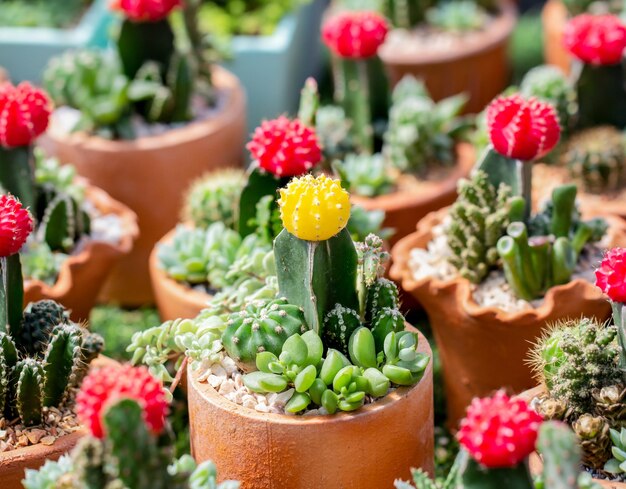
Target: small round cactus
[
  {"x": 261, "y": 326},
  {"x": 16, "y": 224},
  {"x": 104, "y": 386},
  {"x": 339, "y": 324},
  {"x": 314, "y": 208},
  {"x": 523, "y": 129},
  {"x": 382, "y": 294},
  {"x": 388, "y": 320},
  {"x": 499, "y": 431},
  {"x": 596, "y": 39},
  {"x": 214, "y": 197},
  {"x": 40, "y": 318},
  {"x": 24, "y": 114},
  {"x": 596, "y": 157}
]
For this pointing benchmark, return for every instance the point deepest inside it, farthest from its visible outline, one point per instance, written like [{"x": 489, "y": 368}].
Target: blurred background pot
[{"x": 151, "y": 174}]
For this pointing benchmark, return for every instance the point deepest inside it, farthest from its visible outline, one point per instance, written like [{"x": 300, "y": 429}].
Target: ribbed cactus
[
  {"x": 315, "y": 257},
  {"x": 601, "y": 95},
  {"x": 596, "y": 158},
  {"x": 561, "y": 456},
  {"x": 479, "y": 218},
  {"x": 61, "y": 363},
  {"x": 261, "y": 326},
  {"x": 383, "y": 293},
  {"x": 29, "y": 394},
  {"x": 214, "y": 197},
  {"x": 40, "y": 318},
  {"x": 387, "y": 320},
  {"x": 339, "y": 324}
]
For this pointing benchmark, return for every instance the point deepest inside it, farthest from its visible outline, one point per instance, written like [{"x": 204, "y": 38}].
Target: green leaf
[
  {"x": 262, "y": 382},
  {"x": 297, "y": 349},
  {"x": 315, "y": 347},
  {"x": 298, "y": 402},
  {"x": 260, "y": 184}
]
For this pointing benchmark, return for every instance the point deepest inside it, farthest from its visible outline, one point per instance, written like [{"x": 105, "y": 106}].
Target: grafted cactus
[{"x": 478, "y": 220}]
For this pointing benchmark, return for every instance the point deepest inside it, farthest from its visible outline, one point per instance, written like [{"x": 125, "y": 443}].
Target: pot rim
[
  {"x": 181, "y": 291},
  {"x": 465, "y": 160},
  {"x": 210, "y": 395},
  {"x": 495, "y": 34},
  {"x": 61, "y": 445},
  {"x": 93, "y": 248},
  {"x": 461, "y": 288},
  {"x": 234, "y": 102}
]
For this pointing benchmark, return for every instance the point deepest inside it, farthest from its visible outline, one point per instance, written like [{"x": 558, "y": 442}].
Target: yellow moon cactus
[{"x": 314, "y": 208}]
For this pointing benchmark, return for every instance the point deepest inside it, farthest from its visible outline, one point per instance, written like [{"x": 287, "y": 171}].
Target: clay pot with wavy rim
[
  {"x": 366, "y": 449},
  {"x": 150, "y": 175},
  {"x": 82, "y": 275},
  {"x": 14, "y": 463},
  {"x": 403, "y": 209},
  {"x": 485, "y": 348},
  {"x": 173, "y": 299},
  {"x": 536, "y": 465},
  {"x": 554, "y": 18},
  {"x": 477, "y": 66}
]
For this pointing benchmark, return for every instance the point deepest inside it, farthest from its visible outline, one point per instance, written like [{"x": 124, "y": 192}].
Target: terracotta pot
[
  {"x": 367, "y": 449},
  {"x": 81, "y": 276},
  {"x": 15, "y": 462},
  {"x": 405, "y": 208},
  {"x": 484, "y": 348},
  {"x": 536, "y": 464},
  {"x": 151, "y": 174},
  {"x": 554, "y": 17},
  {"x": 174, "y": 300},
  {"x": 478, "y": 68}
]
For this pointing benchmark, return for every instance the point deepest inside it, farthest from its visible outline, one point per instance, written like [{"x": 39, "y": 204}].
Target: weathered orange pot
[
  {"x": 484, "y": 348},
  {"x": 82, "y": 275},
  {"x": 403, "y": 209},
  {"x": 150, "y": 175},
  {"x": 536, "y": 464},
  {"x": 367, "y": 449},
  {"x": 554, "y": 18},
  {"x": 478, "y": 67},
  {"x": 173, "y": 299}
]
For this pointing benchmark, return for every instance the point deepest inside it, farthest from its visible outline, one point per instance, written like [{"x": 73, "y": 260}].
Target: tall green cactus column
[{"x": 601, "y": 94}]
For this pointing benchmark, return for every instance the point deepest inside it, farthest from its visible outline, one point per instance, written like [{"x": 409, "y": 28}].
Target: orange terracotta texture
[
  {"x": 484, "y": 348},
  {"x": 367, "y": 449},
  {"x": 82, "y": 275},
  {"x": 478, "y": 68},
  {"x": 404, "y": 209},
  {"x": 174, "y": 300},
  {"x": 151, "y": 174},
  {"x": 535, "y": 462},
  {"x": 554, "y": 18}
]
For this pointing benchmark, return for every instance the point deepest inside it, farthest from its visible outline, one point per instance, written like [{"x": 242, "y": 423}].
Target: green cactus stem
[
  {"x": 317, "y": 275},
  {"x": 601, "y": 95},
  {"x": 139, "y": 42},
  {"x": 352, "y": 92},
  {"x": 309, "y": 103},
  {"x": 17, "y": 174},
  {"x": 60, "y": 363},
  {"x": 29, "y": 393},
  {"x": 383, "y": 293},
  {"x": 11, "y": 293},
  {"x": 561, "y": 455},
  {"x": 619, "y": 319},
  {"x": 339, "y": 324},
  {"x": 475, "y": 476}
]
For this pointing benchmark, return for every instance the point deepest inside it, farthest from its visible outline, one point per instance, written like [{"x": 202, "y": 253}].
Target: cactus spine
[
  {"x": 29, "y": 392},
  {"x": 61, "y": 363}
]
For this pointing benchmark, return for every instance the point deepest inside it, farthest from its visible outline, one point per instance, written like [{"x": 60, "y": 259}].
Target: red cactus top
[
  {"x": 523, "y": 129},
  {"x": 596, "y": 39},
  {"x": 285, "y": 147},
  {"x": 611, "y": 275},
  {"x": 16, "y": 224},
  {"x": 105, "y": 386},
  {"x": 145, "y": 10},
  {"x": 355, "y": 35},
  {"x": 24, "y": 114},
  {"x": 499, "y": 431}
]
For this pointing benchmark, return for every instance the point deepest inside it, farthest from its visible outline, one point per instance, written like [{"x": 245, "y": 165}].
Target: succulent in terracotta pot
[
  {"x": 129, "y": 444},
  {"x": 43, "y": 355},
  {"x": 497, "y": 437}
]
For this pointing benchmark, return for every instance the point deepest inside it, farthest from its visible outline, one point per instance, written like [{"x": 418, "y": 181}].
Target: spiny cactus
[
  {"x": 40, "y": 318},
  {"x": 596, "y": 158},
  {"x": 213, "y": 198},
  {"x": 576, "y": 357},
  {"x": 29, "y": 391},
  {"x": 532, "y": 265},
  {"x": 383, "y": 293},
  {"x": 261, "y": 326},
  {"x": 364, "y": 174},
  {"x": 339, "y": 324},
  {"x": 387, "y": 320},
  {"x": 479, "y": 218},
  {"x": 457, "y": 17},
  {"x": 421, "y": 133}
]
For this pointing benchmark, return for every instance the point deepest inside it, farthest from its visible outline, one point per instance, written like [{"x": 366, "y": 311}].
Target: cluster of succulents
[
  {"x": 497, "y": 436},
  {"x": 52, "y": 193},
  {"x": 43, "y": 355},
  {"x": 155, "y": 80},
  {"x": 454, "y": 16},
  {"x": 129, "y": 445}
]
